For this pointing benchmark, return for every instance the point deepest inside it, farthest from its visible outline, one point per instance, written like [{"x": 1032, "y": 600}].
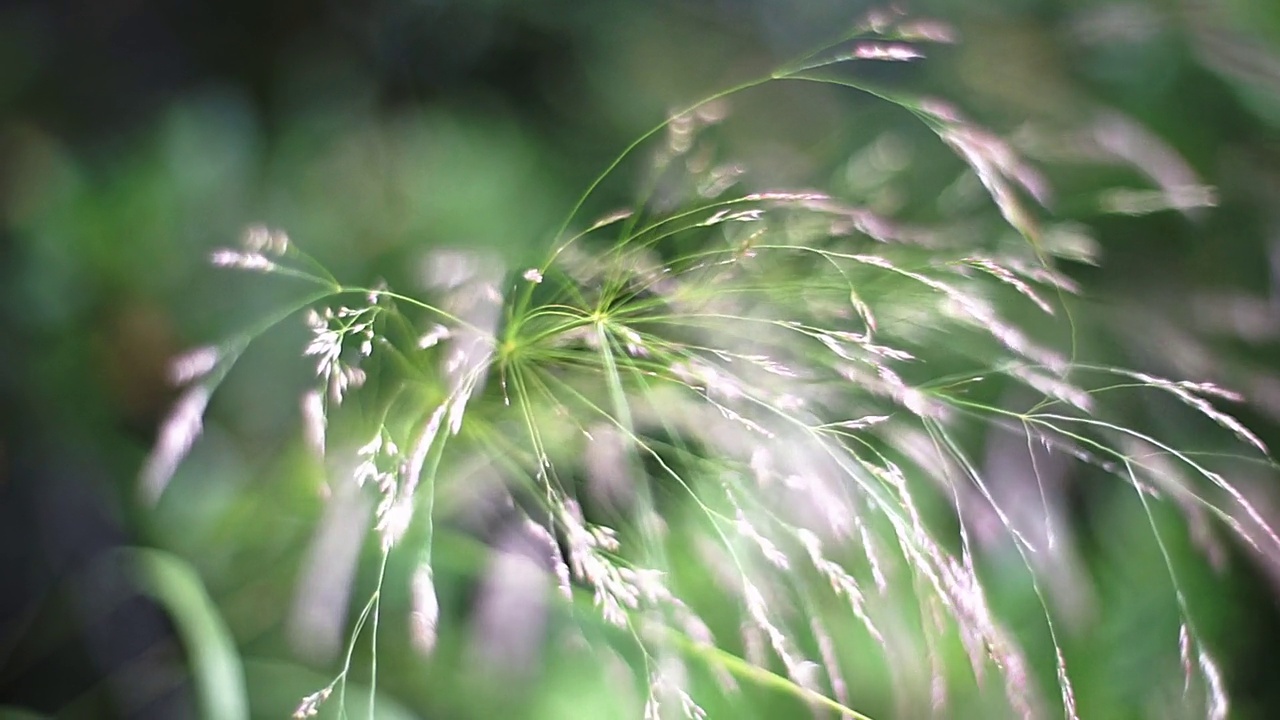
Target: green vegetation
[{"x": 833, "y": 394}]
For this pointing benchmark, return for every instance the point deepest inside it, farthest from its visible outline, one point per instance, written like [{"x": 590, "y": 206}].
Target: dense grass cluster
[{"x": 729, "y": 423}]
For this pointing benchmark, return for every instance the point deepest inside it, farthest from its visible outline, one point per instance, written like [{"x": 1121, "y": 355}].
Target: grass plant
[{"x": 736, "y": 434}]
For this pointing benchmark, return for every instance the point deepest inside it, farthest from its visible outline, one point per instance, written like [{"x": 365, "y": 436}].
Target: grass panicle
[{"x": 777, "y": 380}]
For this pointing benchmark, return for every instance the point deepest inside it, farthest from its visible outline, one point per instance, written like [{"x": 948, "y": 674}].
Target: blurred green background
[{"x": 137, "y": 135}]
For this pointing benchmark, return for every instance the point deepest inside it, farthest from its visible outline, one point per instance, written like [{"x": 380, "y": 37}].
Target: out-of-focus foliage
[{"x": 140, "y": 136}]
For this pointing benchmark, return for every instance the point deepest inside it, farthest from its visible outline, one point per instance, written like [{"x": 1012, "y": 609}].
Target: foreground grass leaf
[{"x": 211, "y": 650}]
